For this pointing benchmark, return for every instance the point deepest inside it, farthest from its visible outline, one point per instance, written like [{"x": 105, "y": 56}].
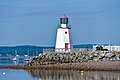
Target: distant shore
[{"x": 87, "y": 66}]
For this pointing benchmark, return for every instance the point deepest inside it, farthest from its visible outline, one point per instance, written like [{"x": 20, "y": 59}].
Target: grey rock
[
  {"x": 110, "y": 55},
  {"x": 102, "y": 54},
  {"x": 53, "y": 58},
  {"x": 95, "y": 59}
]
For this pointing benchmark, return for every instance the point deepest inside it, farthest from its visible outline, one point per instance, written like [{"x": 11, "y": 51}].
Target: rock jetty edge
[{"x": 95, "y": 61}]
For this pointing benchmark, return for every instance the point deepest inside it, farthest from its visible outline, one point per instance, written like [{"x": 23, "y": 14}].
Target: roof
[{"x": 64, "y": 16}]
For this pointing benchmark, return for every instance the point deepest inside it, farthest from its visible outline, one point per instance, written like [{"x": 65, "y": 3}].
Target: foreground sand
[{"x": 94, "y": 66}]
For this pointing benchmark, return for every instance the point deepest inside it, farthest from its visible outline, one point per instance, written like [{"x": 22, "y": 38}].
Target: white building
[
  {"x": 111, "y": 48},
  {"x": 63, "y": 35}
]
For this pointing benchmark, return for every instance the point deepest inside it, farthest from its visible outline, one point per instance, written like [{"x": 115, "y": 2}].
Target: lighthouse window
[{"x": 65, "y": 32}]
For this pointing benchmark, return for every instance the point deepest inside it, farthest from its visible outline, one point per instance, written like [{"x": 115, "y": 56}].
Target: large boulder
[
  {"x": 118, "y": 56},
  {"x": 110, "y": 55}
]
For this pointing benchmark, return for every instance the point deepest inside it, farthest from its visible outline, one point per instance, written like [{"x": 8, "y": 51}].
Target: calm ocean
[{"x": 37, "y": 74}]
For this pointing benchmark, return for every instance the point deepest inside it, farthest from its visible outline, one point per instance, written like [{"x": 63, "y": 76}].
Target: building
[
  {"x": 110, "y": 48},
  {"x": 63, "y": 35}
]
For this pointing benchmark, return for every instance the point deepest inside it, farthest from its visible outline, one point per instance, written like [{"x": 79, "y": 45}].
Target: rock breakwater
[
  {"x": 70, "y": 57},
  {"x": 91, "y": 60}
]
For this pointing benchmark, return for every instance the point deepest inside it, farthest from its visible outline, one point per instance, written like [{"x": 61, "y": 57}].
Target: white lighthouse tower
[{"x": 63, "y": 36}]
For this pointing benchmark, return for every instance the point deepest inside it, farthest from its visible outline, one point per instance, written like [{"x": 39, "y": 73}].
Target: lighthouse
[{"x": 63, "y": 35}]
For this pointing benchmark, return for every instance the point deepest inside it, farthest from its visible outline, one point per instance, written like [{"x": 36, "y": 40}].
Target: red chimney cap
[{"x": 64, "y": 16}]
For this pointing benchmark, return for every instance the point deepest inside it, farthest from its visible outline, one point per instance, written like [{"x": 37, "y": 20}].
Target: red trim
[{"x": 62, "y": 28}]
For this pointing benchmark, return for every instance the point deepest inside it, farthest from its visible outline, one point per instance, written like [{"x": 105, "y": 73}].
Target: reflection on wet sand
[{"x": 73, "y": 75}]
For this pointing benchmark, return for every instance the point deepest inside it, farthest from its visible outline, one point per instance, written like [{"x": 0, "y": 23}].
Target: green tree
[{"x": 99, "y": 48}]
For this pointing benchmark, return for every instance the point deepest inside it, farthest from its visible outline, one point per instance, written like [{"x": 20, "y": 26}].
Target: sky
[{"x": 35, "y": 22}]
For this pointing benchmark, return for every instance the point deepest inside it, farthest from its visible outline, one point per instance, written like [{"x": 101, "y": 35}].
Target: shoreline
[{"x": 86, "y": 66}]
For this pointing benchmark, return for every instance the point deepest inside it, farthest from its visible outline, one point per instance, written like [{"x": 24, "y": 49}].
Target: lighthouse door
[{"x": 66, "y": 45}]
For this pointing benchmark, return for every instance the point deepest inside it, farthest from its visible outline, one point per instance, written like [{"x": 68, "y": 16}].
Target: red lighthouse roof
[{"x": 64, "y": 16}]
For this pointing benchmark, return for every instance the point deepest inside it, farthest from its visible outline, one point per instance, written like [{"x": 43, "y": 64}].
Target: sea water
[
  {"x": 10, "y": 62},
  {"x": 12, "y": 74},
  {"x": 38, "y": 74}
]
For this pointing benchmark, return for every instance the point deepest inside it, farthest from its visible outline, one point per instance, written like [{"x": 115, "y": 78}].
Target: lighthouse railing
[{"x": 62, "y": 50}]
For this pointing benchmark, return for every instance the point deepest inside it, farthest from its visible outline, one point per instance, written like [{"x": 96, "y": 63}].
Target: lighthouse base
[
  {"x": 62, "y": 50},
  {"x": 62, "y": 40}
]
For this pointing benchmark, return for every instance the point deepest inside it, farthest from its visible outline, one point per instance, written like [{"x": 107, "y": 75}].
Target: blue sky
[{"x": 34, "y": 22}]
